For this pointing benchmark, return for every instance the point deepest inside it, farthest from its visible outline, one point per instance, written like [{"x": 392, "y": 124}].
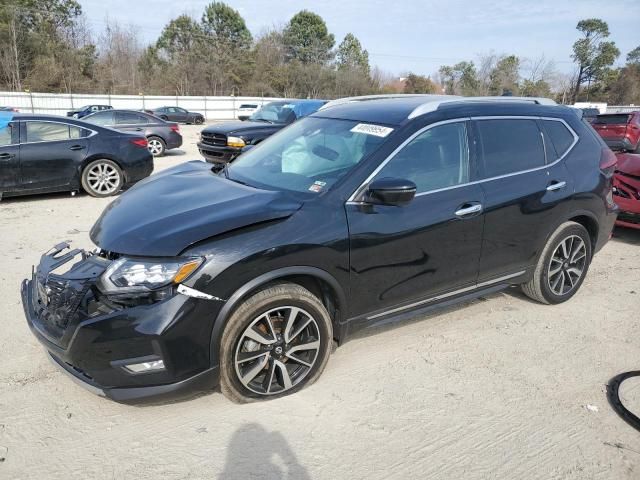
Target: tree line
[{"x": 47, "y": 46}]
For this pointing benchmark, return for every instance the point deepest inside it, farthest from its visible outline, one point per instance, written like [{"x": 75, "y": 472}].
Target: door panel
[
  {"x": 9, "y": 158},
  {"x": 46, "y": 159},
  {"x": 524, "y": 203},
  {"x": 400, "y": 254},
  {"x": 430, "y": 246}
]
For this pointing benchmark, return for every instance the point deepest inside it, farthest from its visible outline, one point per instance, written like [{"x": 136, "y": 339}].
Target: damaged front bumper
[
  {"x": 626, "y": 191},
  {"x": 98, "y": 342}
]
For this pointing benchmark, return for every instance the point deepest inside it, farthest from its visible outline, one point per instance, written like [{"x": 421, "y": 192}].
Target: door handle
[
  {"x": 468, "y": 209},
  {"x": 556, "y": 186},
  {"x": 6, "y": 156},
  {"x": 76, "y": 147}
]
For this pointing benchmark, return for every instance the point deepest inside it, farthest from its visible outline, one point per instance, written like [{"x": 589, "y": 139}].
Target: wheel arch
[
  {"x": 319, "y": 282},
  {"x": 589, "y": 221}
]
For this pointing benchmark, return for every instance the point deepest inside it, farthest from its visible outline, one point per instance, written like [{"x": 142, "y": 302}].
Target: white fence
[
  {"x": 622, "y": 108},
  {"x": 213, "y": 108}
]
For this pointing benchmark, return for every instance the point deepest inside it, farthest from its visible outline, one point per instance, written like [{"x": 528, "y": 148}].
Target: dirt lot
[{"x": 496, "y": 388}]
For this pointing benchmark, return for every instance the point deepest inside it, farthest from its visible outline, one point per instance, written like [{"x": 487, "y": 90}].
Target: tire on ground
[
  {"x": 86, "y": 185},
  {"x": 160, "y": 142},
  {"x": 538, "y": 287},
  {"x": 272, "y": 296}
]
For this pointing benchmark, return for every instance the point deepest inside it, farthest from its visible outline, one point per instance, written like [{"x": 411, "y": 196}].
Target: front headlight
[
  {"x": 127, "y": 275},
  {"x": 235, "y": 142}
]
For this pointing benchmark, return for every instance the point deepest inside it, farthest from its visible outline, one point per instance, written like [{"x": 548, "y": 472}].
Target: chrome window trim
[
  {"x": 358, "y": 191},
  {"x": 446, "y": 295},
  {"x": 93, "y": 132}
]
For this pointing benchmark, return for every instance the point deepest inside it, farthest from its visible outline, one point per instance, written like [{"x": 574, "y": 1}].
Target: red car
[
  {"x": 626, "y": 190},
  {"x": 621, "y": 131}
]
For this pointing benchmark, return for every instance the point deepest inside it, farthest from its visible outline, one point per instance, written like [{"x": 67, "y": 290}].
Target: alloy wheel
[
  {"x": 103, "y": 178},
  {"x": 567, "y": 265},
  {"x": 155, "y": 147},
  {"x": 277, "y": 350}
]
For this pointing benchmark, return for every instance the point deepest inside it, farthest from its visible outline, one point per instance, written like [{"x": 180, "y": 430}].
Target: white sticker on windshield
[{"x": 369, "y": 129}]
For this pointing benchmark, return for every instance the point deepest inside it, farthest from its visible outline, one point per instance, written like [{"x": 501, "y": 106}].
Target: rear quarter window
[
  {"x": 509, "y": 146},
  {"x": 559, "y": 136}
]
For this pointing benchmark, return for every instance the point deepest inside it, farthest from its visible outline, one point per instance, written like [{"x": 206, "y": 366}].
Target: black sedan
[
  {"x": 87, "y": 110},
  {"x": 161, "y": 135},
  {"x": 42, "y": 154},
  {"x": 177, "y": 114}
]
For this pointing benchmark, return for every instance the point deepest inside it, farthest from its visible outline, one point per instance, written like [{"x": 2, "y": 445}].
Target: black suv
[
  {"x": 363, "y": 213},
  {"x": 223, "y": 142}
]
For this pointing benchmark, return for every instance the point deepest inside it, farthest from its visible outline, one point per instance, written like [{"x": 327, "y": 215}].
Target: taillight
[
  {"x": 608, "y": 161},
  {"x": 140, "y": 142},
  {"x": 175, "y": 128}
]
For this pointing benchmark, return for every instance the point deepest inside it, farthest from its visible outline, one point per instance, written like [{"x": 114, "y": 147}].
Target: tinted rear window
[
  {"x": 612, "y": 119},
  {"x": 559, "y": 135},
  {"x": 509, "y": 146}
]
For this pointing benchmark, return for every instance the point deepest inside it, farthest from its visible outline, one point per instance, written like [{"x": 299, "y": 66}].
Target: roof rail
[
  {"x": 363, "y": 98},
  {"x": 432, "y": 106}
]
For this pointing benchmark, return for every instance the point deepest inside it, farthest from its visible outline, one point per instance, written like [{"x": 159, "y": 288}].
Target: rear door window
[
  {"x": 509, "y": 146},
  {"x": 129, "y": 118},
  {"x": 560, "y": 138},
  {"x": 51, "y": 131}
]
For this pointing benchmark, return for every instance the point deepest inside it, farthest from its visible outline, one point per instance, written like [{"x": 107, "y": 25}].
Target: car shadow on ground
[
  {"x": 630, "y": 236},
  {"x": 254, "y": 452}
]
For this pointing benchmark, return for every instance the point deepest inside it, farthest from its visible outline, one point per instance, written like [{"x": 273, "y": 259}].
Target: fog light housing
[{"x": 145, "y": 367}]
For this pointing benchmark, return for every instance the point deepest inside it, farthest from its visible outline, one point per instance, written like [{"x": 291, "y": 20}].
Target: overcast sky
[{"x": 411, "y": 35}]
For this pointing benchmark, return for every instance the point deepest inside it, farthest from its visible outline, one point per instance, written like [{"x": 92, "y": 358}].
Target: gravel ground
[{"x": 500, "y": 387}]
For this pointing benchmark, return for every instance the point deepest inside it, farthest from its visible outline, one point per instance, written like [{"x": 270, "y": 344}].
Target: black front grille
[
  {"x": 215, "y": 139},
  {"x": 60, "y": 299}
]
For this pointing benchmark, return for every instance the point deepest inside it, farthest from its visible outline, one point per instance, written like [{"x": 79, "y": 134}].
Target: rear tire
[
  {"x": 102, "y": 178},
  {"x": 275, "y": 343},
  {"x": 562, "y": 265},
  {"x": 199, "y": 121},
  {"x": 156, "y": 146}
]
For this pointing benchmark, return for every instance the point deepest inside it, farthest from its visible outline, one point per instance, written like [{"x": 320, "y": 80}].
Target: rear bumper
[
  {"x": 218, "y": 154},
  {"x": 174, "y": 141},
  {"x": 619, "y": 144}
]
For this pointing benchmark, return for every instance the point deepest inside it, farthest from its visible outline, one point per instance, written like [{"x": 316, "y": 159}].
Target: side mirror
[
  {"x": 246, "y": 148},
  {"x": 391, "y": 191}
]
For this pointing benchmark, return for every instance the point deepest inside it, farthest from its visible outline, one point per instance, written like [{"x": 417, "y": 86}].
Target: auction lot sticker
[{"x": 369, "y": 129}]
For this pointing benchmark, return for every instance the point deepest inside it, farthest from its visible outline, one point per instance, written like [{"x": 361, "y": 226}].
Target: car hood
[
  {"x": 229, "y": 128},
  {"x": 628, "y": 163},
  {"x": 171, "y": 210}
]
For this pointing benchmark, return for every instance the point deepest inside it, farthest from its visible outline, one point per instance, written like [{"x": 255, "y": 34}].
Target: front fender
[{"x": 237, "y": 297}]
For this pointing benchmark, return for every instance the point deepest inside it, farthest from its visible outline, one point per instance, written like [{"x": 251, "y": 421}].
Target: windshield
[
  {"x": 275, "y": 112},
  {"x": 309, "y": 156}
]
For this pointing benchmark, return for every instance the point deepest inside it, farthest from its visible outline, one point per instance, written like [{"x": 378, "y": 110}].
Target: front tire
[
  {"x": 156, "y": 146},
  {"x": 199, "y": 121},
  {"x": 276, "y": 342},
  {"x": 562, "y": 266},
  {"x": 102, "y": 178}
]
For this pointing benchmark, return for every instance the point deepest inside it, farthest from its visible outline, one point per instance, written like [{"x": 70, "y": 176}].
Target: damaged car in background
[{"x": 364, "y": 213}]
